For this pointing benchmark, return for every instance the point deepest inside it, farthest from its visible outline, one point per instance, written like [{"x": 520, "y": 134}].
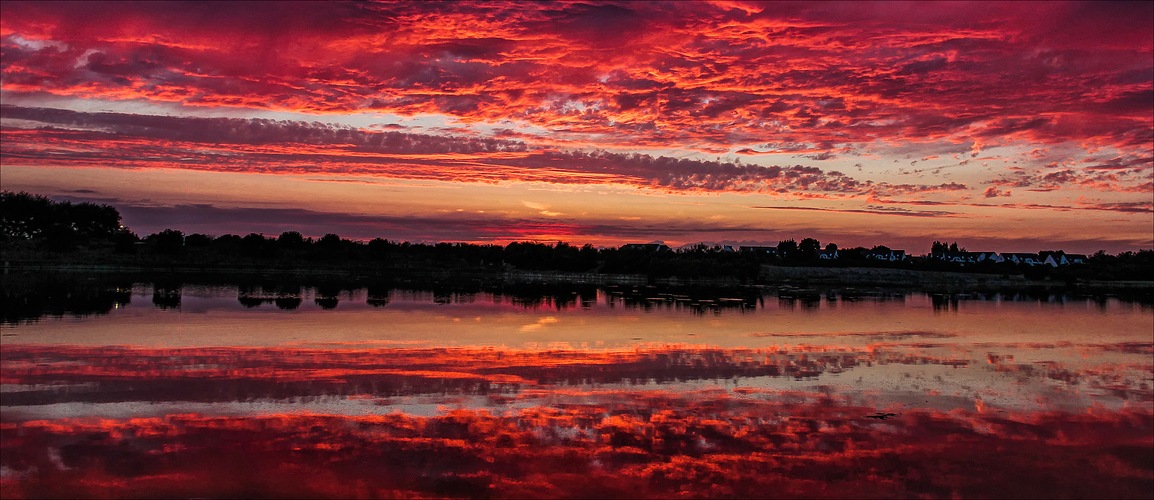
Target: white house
[
  {"x": 1031, "y": 259},
  {"x": 989, "y": 256},
  {"x": 891, "y": 256}
]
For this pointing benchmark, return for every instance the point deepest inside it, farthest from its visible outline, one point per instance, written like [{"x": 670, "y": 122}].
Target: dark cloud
[
  {"x": 145, "y": 217},
  {"x": 289, "y": 147},
  {"x": 872, "y": 209},
  {"x": 257, "y": 131}
]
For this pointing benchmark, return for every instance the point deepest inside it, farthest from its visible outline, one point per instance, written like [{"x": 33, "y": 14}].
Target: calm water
[{"x": 114, "y": 388}]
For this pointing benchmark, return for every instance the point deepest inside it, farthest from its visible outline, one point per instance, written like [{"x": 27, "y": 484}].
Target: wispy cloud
[{"x": 871, "y": 209}]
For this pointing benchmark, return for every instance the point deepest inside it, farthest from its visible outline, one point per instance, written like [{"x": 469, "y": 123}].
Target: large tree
[{"x": 26, "y": 216}]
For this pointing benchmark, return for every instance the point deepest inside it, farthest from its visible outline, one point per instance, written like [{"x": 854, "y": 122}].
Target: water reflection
[
  {"x": 286, "y": 387},
  {"x": 29, "y": 297},
  {"x": 46, "y": 375},
  {"x": 637, "y": 444},
  {"x": 415, "y": 421},
  {"x": 289, "y": 303}
]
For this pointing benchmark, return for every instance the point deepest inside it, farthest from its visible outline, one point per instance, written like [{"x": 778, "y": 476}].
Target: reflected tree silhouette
[
  {"x": 167, "y": 295},
  {"x": 288, "y": 303}
]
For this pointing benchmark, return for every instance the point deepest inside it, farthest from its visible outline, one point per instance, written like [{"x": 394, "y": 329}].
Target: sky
[{"x": 1011, "y": 127}]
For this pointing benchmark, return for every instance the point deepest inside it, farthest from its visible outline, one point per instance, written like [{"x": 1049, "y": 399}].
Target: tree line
[{"x": 31, "y": 225}]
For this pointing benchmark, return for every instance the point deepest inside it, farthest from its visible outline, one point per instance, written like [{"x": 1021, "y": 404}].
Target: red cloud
[
  {"x": 691, "y": 75},
  {"x": 1114, "y": 175}
]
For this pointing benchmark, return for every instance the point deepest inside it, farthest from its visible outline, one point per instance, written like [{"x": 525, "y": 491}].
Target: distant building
[
  {"x": 989, "y": 257},
  {"x": 827, "y": 254},
  {"x": 1031, "y": 259},
  {"x": 887, "y": 255},
  {"x": 646, "y": 247},
  {"x": 759, "y": 250},
  {"x": 958, "y": 257},
  {"x": 1077, "y": 258},
  {"x": 1054, "y": 258},
  {"x": 964, "y": 257}
]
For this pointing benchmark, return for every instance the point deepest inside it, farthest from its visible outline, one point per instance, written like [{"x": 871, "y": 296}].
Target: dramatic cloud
[
  {"x": 857, "y": 108},
  {"x": 696, "y": 75},
  {"x": 69, "y": 138}
]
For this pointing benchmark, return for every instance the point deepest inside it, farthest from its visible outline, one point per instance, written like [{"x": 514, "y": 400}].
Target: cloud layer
[
  {"x": 1011, "y": 111},
  {"x": 70, "y": 138},
  {"x": 693, "y": 75}
]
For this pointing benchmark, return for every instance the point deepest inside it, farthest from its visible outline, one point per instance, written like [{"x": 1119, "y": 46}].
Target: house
[
  {"x": 959, "y": 257},
  {"x": 887, "y": 255},
  {"x": 646, "y": 247},
  {"x": 1031, "y": 259},
  {"x": 759, "y": 250},
  {"x": 827, "y": 254},
  {"x": 1077, "y": 258},
  {"x": 989, "y": 257},
  {"x": 1054, "y": 258},
  {"x": 969, "y": 257}
]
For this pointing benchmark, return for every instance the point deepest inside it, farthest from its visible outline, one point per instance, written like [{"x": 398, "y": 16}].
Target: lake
[{"x": 126, "y": 387}]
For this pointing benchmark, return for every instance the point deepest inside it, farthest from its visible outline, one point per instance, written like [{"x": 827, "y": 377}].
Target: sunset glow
[{"x": 1003, "y": 126}]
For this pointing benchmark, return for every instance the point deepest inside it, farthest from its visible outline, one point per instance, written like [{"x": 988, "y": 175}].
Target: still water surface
[{"x": 643, "y": 385}]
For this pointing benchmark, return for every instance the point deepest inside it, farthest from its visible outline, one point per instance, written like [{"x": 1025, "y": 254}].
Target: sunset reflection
[
  {"x": 43, "y": 375},
  {"x": 639, "y": 444},
  {"x": 572, "y": 394}
]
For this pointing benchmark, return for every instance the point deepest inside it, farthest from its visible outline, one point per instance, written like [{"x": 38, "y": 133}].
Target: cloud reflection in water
[{"x": 644, "y": 422}]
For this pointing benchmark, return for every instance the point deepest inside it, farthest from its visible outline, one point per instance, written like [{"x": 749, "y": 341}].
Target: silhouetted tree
[
  {"x": 290, "y": 240},
  {"x": 168, "y": 242},
  {"x": 24, "y": 216},
  {"x": 90, "y": 221},
  {"x": 60, "y": 225},
  {"x": 197, "y": 240},
  {"x": 328, "y": 247},
  {"x": 787, "y": 249},
  {"x": 257, "y": 246},
  {"x": 808, "y": 248},
  {"x": 831, "y": 247},
  {"x": 227, "y": 244},
  {"x": 939, "y": 248},
  {"x": 852, "y": 254},
  {"x": 124, "y": 241},
  {"x": 379, "y": 249},
  {"x": 329, "y": 243}
]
